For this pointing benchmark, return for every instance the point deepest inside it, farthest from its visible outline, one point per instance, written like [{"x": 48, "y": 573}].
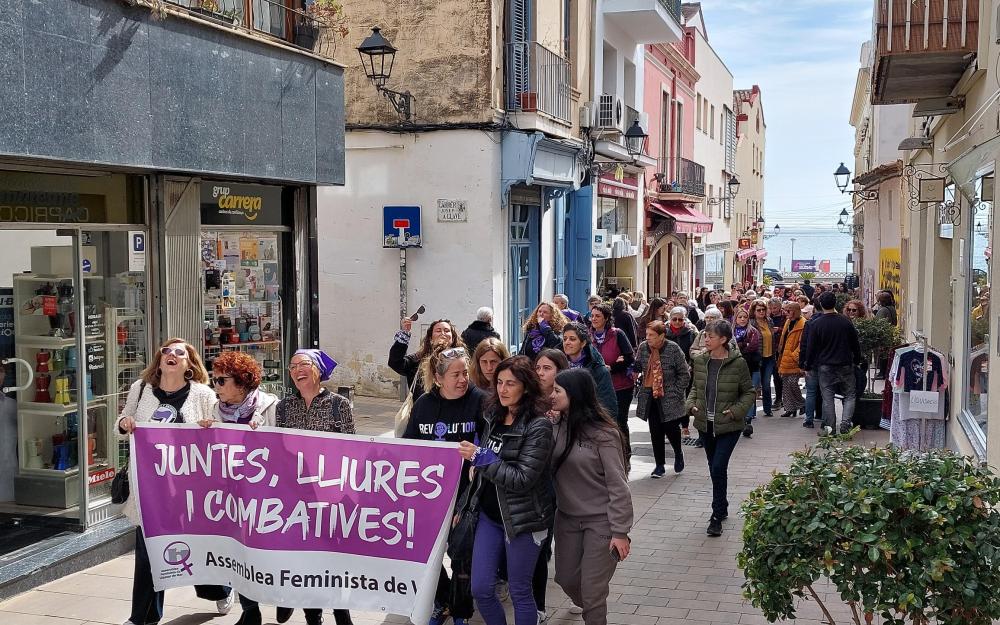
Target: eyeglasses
[
  {"x": 178, "y": 351},
  {"x": 454, "y": 352},
  {"x": 221, "y": 380},
  {"x": 853, "y": 310},
  {"x": 302, "y": 364}
]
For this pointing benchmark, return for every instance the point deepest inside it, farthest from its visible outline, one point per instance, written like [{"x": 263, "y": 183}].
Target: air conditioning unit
[
  {"x": 611, "y": 113},
  {"x": 587, "y": 115}
]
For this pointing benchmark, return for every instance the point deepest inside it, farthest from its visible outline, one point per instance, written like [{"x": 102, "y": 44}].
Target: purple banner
[{"x": 291, "y": 490}]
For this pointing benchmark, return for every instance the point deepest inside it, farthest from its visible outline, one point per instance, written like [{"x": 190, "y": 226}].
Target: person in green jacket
[{"x": 721, "y": 395}]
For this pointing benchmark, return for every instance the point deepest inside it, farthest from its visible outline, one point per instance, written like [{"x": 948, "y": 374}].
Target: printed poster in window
[
  {"x": 248, "y": 252},
  {"x": 267, "y": 248},
  {"x": 270, "y": 271},
  {"x": 209, "y": 250},
  {"x": 229, "y": 251}
]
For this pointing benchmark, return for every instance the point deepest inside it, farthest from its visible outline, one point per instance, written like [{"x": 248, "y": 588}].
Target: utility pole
[{"x": 791, "y": 267}]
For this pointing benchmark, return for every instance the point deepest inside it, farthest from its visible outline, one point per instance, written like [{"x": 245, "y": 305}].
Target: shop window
[{"x": 977, "y": 275}]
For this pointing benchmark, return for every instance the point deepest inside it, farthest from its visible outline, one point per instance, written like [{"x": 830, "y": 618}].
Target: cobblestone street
[{"x": 676, "y": 574}]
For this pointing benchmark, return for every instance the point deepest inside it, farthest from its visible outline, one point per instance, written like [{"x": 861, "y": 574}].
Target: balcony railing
[
  {"x": 268, "y": 17},
  {"x": 922, "y": 48},
  {"x": 673, "y": 7},
  {"x": 538, "y": 80},
  {"x": 679, "y": 175}
]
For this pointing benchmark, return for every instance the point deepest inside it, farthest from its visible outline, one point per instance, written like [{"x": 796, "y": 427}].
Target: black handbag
[
  {"x": 463, "y": 535},
  {"x": 119, "y": 485}
]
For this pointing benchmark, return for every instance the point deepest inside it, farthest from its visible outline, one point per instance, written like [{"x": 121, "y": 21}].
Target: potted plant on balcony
[
  {"x": 875, "y": 336},
  {"x": 327, "y": 17},
  {"x": 911, "y": 538}
]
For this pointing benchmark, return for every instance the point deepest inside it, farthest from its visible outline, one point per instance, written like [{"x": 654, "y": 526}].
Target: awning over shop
[
  {"x": 743, "y": 255},
  {"x": 686, "y": 220}
]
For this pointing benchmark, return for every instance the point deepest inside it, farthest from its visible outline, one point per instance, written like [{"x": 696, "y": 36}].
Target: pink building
[{"x": 675, "y": 191}]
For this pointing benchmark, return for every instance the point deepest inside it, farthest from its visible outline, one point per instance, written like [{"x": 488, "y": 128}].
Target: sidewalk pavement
[{"x": 675, "y": 574}]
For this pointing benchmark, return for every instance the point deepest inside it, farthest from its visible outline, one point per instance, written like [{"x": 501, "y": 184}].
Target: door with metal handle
[{"x": 27, "y": 366}]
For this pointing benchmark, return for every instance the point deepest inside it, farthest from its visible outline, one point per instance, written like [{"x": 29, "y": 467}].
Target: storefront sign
[
  {"x": 136, "y": 250},
  {"x": 601, "y": 249},
  {"x": 229, "y": 204},
  {"x": 453, "y": 211},
  {"x": 744, "y": 243},
  {"x": 289, "y": 517},
  {"x": 889, "y": 270},
  {"x": 51, "y": 207},
  {"x": 607, "y": 189},
  {"x": 100, "y": 476}
]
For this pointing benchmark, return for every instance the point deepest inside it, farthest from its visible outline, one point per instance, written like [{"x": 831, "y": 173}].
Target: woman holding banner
[
  {"x": 593, "y": 494},
  {"x": 172, "y": 389},
  {"x": 236, "y": 378},
  {"x": 450, "y": 411},
  {"x": 512, "y": 484},
  {"x": 315, "y": 408}
]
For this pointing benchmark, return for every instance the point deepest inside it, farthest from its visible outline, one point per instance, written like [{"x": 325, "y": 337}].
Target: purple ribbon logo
[{"x": 178, "y": 553}]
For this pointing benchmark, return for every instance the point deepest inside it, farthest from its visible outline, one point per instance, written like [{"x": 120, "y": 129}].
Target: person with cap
[{"x": 313, "y": 407}]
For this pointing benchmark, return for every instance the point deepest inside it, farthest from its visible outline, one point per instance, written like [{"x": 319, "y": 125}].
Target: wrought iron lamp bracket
[{"x": 402, "y": 102}]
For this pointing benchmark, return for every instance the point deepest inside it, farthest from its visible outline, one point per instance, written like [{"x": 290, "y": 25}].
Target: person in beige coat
[{"x": 593, "y": 503}]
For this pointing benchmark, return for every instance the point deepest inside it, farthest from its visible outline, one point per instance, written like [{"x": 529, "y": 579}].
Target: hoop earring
[{"x": 189, "y": 374}]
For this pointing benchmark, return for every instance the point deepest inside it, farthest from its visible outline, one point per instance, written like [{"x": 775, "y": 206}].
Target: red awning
[
  {"x": 687, "y": 220},
  {"x": 759, "y": 252}
]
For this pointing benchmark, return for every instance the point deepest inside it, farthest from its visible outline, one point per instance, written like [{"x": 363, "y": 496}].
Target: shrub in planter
[
  {"x": 908, "y": 537},
  {"x": 875, "y": 336}
]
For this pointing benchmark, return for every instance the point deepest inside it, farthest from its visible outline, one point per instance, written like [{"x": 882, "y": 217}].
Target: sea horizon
[{"x": 810, "y": 244}]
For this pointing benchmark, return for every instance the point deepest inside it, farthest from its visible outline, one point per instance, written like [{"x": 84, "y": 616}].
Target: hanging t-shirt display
[{"x": 914, "y": 369}]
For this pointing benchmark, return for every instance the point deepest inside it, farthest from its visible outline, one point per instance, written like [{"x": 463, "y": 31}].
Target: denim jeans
[
  {"x": 831, "y": 380},
  {"x": 814, "y": 401},
  {"x": 755, "y": 382},
  {"x": 718, "y": 450},
  {"x": 521, "y": 553}
]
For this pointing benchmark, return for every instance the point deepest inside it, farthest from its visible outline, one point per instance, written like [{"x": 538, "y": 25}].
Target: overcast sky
[{"x": 804, "y": 54}]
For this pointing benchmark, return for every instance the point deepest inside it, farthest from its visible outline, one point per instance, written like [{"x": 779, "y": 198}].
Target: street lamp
[
  {"x": 635, "y": 140},
  {"x": 734, "y": 188},
  {"x": 377, "y": 57},
  {"x": 843, "y": 175},
  {"x": 777, "y": 231}
]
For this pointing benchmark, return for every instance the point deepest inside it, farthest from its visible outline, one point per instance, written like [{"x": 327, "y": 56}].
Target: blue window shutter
[
  {"x": 579, "y": 247},
  {"x": 518, "y": 52}
]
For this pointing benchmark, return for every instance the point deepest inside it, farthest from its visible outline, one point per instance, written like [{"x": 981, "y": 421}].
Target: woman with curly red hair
[{"x": 236, "y": 378}]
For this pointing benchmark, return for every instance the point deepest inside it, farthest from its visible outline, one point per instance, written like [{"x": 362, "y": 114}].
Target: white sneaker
[
  {"x": 225, "y": 605},
  {"x": 128, "y": 622},
  {"x": 542, "y": 617},
  {"x": 575, "y": 609}
]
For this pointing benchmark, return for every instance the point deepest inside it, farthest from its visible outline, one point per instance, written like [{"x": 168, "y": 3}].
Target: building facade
[
  {"x": 746, "y": 233},
  {"x": 515, "y": 157},
  {"x": 942, "y": 270},
  {"x": 157, "y": 179}
]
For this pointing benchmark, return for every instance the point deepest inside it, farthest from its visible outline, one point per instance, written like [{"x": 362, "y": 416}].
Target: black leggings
[
  {"x": 658, "y": 430},
  {"x": 624, "y": 397},
  {"x": 540, "y": 579}
]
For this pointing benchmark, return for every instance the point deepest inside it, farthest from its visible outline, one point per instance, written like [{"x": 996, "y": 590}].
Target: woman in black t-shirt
[{"x": 450, "y": 411}]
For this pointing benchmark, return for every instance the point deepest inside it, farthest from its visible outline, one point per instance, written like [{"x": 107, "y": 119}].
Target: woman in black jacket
[
  {"x": 450, "y": 411},
  {"x": 440, "y": 332},
  {"x": 512, "y": 490},
  {"x": 624, "y": 321},
  {"x": 583, "y": 355}
]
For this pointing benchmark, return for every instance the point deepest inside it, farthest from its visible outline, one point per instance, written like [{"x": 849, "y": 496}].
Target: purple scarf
[
  {"x": 537, "y": 338},
  {"x": 240, "y": 413}
]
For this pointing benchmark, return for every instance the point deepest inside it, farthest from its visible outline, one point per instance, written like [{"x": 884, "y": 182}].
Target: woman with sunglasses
[
  {"x": 451, "y": 410},
  {"x": 489, "y": 353},
  {"x": 762, "y": 378},
  {"x": 172, "y": 389},
  {"x": 855, "y": 309},
  {"x": 440, "y": 332},
  {"x": 313, "y": 407},
  {"x": 236, "y": 378}
]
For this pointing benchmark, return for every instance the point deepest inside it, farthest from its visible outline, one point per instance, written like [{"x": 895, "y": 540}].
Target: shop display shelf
[
  {"x": 44, "y": 408},
  {"x": 45, "y": 342}
]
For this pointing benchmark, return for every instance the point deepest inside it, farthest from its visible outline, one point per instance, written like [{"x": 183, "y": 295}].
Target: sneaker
[
  {"x": 438, "y": 616},
  {"x": 826, "y": 430},
  {"x": 128, "y": 622},
  {"x": 679, "y": 463},
  {"x": 542, "y": 617},
  {"x": 768, "y": 414},
  {"x": 748, "y": 431},
  {"x": 808, "y": 424},
  {"x": 225, "y": 605},
  {"x": 575, "y": 609},
  {"x": 658, "y": 472},
  {"x": 845, "y": 428},
  {"x": 461, "y": 621},
  {"x": 698, "y": 443},
  {"x": 714, "y": 527}
]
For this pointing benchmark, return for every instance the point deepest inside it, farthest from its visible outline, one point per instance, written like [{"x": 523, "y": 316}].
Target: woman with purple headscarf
[{"x": 313, "y": 407}]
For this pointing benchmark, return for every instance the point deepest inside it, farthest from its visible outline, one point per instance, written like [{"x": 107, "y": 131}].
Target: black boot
[
  {"x": 314, "y": 616},
  {"x": 250, "y": 616},
  {"x": 342, "y": 617},
  {"x": 283, "y": 614}
]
